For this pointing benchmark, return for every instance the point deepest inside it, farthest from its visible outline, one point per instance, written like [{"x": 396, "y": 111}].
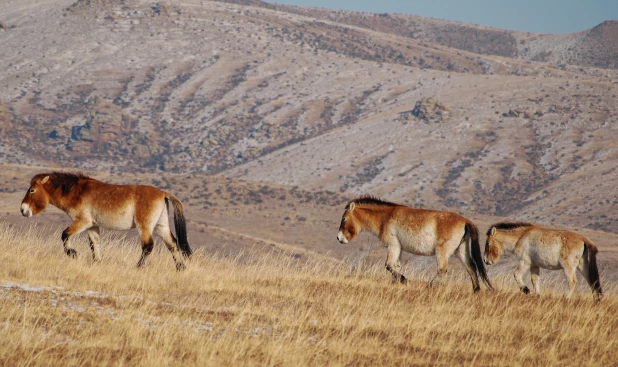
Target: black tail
[
  {"x": 475, "y": 252},
  {"x": 593, "y": 269},
  {"x": 180, "y": 225}
]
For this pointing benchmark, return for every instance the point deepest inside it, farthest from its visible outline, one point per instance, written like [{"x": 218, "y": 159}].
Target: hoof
[
  {"x": 71, "y": 253},
  {"x": 180, "y": 267},
  {"x": 477, "y": 289},
  {"x": 526, "y": 290},
  {"x": 403, "y": 280}
]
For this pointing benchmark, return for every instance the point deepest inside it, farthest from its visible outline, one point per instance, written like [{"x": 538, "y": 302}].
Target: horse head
[
  {"x": 36, "y": 198},
  {"x": 349, "y": 227}
]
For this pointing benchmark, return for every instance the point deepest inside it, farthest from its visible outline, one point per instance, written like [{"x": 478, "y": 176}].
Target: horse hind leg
[
  {"x": 147, "y": 246},
  {"x": 94, "y": 236},
  {"x": 170, "y": 241},
  {"x": 443, "y": 252},
  {"x": 569, "y": 270},
  {"x": 584, "y": 269},
  {"x": 465, "y": 258},
  {"x": 535, "y": 277}
]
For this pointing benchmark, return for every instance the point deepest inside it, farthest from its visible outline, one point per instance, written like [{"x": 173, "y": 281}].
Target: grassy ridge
[{"x": 262, "y": 308}]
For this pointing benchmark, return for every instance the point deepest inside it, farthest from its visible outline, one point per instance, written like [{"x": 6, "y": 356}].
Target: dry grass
[{"x": 263, "y": 308}]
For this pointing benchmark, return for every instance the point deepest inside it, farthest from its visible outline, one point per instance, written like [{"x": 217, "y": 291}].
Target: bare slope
[
  {"x": 595, "y": 47},
  {"x": 260, "y": 94}
]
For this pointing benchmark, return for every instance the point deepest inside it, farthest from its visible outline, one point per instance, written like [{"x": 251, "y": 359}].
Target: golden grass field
[{"x": 264, "y": 308}]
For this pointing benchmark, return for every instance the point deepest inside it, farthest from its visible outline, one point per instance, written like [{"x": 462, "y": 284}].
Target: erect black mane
[
  {"x": 508, "y": 225},
  {"x": 66, "y": 180},
  {"x": 370, "y": 200}
]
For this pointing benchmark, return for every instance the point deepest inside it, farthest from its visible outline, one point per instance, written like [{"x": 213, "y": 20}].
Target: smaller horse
[
  {"x": 417, "y": 231},
  {"x": 92, "y": 204},
  {"x": 538, "y": 247}
]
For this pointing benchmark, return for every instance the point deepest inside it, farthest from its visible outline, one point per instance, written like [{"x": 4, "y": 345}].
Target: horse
[
  {"x": 538, "y": 247},
  {"x": 417, "y": 231},
  {"x": 93, "y": 204}
]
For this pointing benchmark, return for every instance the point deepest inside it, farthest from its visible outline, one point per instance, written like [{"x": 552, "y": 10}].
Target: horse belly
[
  {"x": 546, "y": 258},
  {"x": 420, "y": 243},
  {"x": 121, "y": 220}
]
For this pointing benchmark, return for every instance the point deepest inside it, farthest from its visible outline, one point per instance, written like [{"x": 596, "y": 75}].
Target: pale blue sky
[{"x": 542, "y": 16}]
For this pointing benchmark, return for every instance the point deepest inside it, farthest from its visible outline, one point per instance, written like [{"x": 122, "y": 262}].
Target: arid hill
[
  {"x": 320, "y": 100},
  {"x": 595, "y": 47}
]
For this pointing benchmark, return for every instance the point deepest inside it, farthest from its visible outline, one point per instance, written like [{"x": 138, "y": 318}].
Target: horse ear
[
  {"x": 493, "y": 231},
  {"x": 352, "y": 205},
  {"x": 44, "y": 180}
]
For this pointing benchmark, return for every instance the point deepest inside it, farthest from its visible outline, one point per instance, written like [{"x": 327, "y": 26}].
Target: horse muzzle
[
  {"x": 341, "y": 238},
  {"x": 487, "y": 261},
  {"x": 25, "y": 210}
]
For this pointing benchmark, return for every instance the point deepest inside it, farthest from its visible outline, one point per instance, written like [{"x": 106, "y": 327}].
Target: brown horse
[
  {"x": 417, "y": 231},
  {"x": 538, "y": 247},
  {"x": 92, "y": 204}
]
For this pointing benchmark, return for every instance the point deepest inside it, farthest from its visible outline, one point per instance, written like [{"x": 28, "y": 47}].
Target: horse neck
[
  {"x": 56, "y": 198},
  {"x": 510, "y": 237},
  {"x": 372, "y": 218}
]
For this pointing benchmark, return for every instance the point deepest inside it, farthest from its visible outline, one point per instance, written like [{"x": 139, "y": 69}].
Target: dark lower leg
[
  {"x": 147, "y": 247},
  {"x": 66, "y": 242},
  {"x": 397, "y": 276}
]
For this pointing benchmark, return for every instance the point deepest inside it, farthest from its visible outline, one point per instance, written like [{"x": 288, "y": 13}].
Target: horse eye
[{"x": 32, "y": 191}]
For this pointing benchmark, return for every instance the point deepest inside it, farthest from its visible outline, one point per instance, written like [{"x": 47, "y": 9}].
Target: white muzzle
[
  {"x": 341, "y": 238},
  {"x": 25, "y": 210}
]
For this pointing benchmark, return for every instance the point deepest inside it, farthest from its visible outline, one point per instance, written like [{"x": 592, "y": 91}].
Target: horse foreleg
[
  {"x": 93, "y": 236},
  {"x": 535, "y": 277},
  {"x": 77, "y": 227},
  {"x": 393, "y": 262},
  {"x": 519, "y": 276}
]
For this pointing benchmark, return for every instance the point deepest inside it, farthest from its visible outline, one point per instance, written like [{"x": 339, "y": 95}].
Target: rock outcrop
[
  {"x": 104, "y": 125},
  {"x": 428, "y": 110}
]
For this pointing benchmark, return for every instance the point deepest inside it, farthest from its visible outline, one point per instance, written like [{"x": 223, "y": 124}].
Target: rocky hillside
[
  {"x": 595, "y": 47},
  {"x": 310, "y": 98}
]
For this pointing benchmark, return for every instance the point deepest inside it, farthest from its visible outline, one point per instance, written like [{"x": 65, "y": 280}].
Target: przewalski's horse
[
  {"x": 538, "y": 247},
  {"x": 92, "y": 204},
  {"x": 417, "y": 231}
]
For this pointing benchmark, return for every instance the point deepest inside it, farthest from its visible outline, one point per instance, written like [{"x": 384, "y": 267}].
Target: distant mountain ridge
[{"x": 597, "y": 47}]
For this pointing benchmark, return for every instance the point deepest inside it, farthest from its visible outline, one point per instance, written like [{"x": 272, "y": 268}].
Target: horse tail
[
  {"x": 593, "y": 269},
  {"x": 476, "y": 257},
  {"x": 180, "y": 224}
]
